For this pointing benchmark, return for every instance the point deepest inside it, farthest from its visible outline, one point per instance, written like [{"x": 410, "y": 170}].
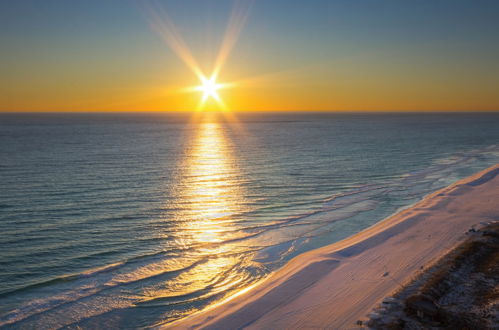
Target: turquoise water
[{"x": 135, "y": 220}]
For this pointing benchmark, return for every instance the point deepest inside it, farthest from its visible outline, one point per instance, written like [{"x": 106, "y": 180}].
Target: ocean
[{"x": 135, "y": 220}]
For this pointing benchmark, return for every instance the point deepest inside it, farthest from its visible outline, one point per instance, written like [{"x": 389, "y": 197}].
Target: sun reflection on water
[
  {"x": 210, "y": 203},
  {"x": 210, "y": 192},
  {"x": 209, "y": 258}
]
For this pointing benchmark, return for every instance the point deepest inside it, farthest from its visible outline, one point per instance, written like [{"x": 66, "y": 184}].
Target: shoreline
[{"x": 339, "y": 284}]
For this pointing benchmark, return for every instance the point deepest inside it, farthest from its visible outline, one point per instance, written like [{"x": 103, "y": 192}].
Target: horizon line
[{"x": 244, "y": 111}]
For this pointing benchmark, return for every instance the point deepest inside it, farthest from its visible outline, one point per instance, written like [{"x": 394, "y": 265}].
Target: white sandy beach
[{"x": 337, "y": 285}]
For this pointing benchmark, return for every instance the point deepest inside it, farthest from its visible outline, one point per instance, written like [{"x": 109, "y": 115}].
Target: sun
[{"x": 209, "y": 87}]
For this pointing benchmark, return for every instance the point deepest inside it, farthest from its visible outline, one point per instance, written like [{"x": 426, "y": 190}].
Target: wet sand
[{"x": 339, "y": 284}]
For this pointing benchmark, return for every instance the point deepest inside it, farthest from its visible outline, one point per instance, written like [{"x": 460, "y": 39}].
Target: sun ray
[
  {"x": 237, "y": 20},
  {"x": 163, "y": 25}
]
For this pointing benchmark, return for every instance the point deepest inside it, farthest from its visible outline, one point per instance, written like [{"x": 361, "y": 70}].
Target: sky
[{"x": 290, "y": 55}]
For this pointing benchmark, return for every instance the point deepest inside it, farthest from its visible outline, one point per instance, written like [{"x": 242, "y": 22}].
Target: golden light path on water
[
  {"x": 211, "y": 187},
  {"x": 209, "y": 200}
]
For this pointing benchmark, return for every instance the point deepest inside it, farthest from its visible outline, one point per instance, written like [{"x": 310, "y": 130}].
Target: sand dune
[{"x": 337, "y": 285}]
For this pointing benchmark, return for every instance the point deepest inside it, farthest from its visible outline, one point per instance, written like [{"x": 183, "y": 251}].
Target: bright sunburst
[
  {"x": 164, "y": 26},
  {"x": 209, "y": 87}
]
